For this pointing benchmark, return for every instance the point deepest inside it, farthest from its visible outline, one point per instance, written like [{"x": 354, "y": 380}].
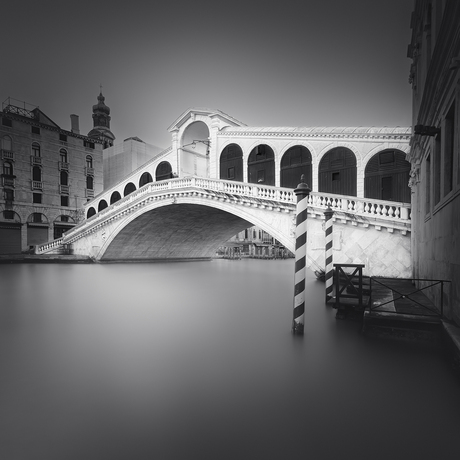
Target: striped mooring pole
[
  {"x": 329, "y": 269},
  {"x": 302, "y": 192}
]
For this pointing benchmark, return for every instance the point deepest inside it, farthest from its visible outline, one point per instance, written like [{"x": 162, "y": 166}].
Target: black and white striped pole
[
  {"x": 329, "y": 269},
  {"x": 302, "y": 192}
]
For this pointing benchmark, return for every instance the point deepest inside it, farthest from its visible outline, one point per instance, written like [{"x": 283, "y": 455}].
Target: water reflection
[{"x": 196, "y": 360}]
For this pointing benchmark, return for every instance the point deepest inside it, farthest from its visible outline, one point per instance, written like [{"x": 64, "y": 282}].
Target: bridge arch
[
  {"x": 102, "y": 205},
  {"x": 261, "y": 165},
  {"x": 337, "y": 172},
  {"x": 145, "y": 179},
  {"x": 115, "y": 197},
  {"x": 386, "y": 176},
  {"x": 163, "y": 171},
  {"x": 91, "y": 212},
  {"x": 231, "y": 163},
  {"x": 129, "y": 188},
  {"x": 144, "y": 235},
  {"x": 295, "y": 162}
]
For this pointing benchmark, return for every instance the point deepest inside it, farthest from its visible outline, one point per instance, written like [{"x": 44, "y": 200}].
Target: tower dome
[{"x": 101, "y": 122}]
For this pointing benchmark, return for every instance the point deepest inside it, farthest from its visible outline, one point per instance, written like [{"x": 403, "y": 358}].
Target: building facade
[
  {"x": 434, "y": 152},
  {"x": 47, "y": 174}
]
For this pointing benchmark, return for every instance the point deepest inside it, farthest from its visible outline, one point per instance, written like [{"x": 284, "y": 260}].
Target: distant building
[
  {"x": 101, "y": 123},
  {"x": 435, "y": 146},
  {"x": 47, "y": 174},
  {"x": 121, "y": 160}
]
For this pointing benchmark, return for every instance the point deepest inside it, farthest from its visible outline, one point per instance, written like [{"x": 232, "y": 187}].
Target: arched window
[
  {"x": 115, "y": 197},
  {"x": 261, "y": 165},
  {"x": 337, "y": 172},
  {"x": 91, "y": 212},
  {"x": 231, "y": 163},
  {"x": 7, "y": 168},
  {"x": 64, "y": 178},
  {"x": 36, "y": 149},
  {"x": 163, "y": 171},
  {"x": 89, "y": 182},
  {"x": 295, "y": 162},
  {"x": 145, "y": 179},
  {"x": 36, "y": 174},
  {"x": 63, "y": 155},
  {"x": 89, "y": 161},
  {"x": 7, "y": 144},
  {"x": 129, "y": 188}
]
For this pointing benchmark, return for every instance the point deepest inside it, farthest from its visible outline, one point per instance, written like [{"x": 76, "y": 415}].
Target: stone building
[
  {"x": 434, "y": 152},
  {"x": 47, "y": 174}
]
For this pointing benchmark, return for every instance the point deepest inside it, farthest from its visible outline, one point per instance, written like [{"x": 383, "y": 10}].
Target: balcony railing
[
  {"x": 35, "y": 160},
  {"x": 89, "y": 171},
  {"x": 37, "y": 185},
  {"x": 63, "y": 166},
  {"x": 7, "y": 154},
  {"x": 64, "y": 189},
  {"x": 89, "y": 193}
]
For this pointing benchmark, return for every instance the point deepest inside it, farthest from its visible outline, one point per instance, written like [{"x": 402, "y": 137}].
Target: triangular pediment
[
  {"x": 43, "y": 119},
  {"x": 202, "y": 112}
]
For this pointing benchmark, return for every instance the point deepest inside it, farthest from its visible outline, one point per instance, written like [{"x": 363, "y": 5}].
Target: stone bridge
[{"x": 190, "y": 217}]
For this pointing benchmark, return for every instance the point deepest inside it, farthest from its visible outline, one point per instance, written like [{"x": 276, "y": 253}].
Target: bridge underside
[{"x": 177, "y": 231}]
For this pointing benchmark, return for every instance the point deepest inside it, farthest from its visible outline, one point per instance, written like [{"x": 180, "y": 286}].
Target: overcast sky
[{"x": 284, "y": 63}]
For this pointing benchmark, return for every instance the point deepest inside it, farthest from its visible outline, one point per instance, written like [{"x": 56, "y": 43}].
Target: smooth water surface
[{"x": 197, "y": 361}]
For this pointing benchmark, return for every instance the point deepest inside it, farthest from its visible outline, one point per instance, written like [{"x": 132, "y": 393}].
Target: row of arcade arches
[
  {"x": 162, "y": 172},
  {"x": 386, "y": 175}
]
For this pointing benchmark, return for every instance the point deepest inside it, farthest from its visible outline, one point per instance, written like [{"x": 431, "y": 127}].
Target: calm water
[{"x": 197, "y": 361}]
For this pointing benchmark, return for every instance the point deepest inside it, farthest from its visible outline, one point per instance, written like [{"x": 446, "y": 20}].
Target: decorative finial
[{"x": 100, "y": 86}]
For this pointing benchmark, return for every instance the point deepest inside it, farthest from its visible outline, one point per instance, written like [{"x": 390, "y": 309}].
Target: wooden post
[
  {"x": 302, "y": 192},
  {"x": 329, "y": 268}
]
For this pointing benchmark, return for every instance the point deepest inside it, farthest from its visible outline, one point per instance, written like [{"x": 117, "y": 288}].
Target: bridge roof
[{"x": 320, "y": 131}]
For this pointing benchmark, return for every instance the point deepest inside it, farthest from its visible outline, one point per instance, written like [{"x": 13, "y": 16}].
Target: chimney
[{"x": 74, "y": 124}]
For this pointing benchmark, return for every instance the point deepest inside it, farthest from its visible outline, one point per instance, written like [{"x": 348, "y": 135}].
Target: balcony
[
  {"x": 89, "y": 193},
  {"x": 63, "y": 166},
  {"x": 64, "y": 189},
  {"x": 37, "y": 185},
  {"x": 7, "y": 154},
  {"x": 8, "y": 181},
  {"x": 35, "y": 160},
  {"x": 89, "y": 171}
]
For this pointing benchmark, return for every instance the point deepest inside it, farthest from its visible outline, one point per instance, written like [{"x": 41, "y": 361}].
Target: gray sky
[{"x": 285, "y": 63}]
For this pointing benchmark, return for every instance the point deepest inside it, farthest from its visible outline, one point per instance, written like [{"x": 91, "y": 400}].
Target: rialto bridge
[{"x": 188, "y": 218}]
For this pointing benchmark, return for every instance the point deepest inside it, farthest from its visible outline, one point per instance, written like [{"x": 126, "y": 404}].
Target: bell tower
[{"x": 101, "y": 122}]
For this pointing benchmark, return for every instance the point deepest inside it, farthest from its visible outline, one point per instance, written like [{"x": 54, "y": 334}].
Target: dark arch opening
[
  {"x": 386, "y": 177},
  {"x": 163, "y": 171},
  {"x": 295, "y": 162},
  {"x": 91, "y": 212},
  {"x": 261, "y": 165},
  {"x": 115, "y": 197},
  {"x": 231, "y": 163},
  {"x": 102, "y": 205},
  {"x": 145, "y": 179},
  {"x": 337, "y": 172},
  {"x": 129, "y": 188}
]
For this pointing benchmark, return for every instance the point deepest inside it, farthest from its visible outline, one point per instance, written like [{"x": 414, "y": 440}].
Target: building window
[
  {"x": 36, "y": 174},
  {"x": 37, "y": 198},
  {"x": 8, "y": 194},
  {"x": 437, "y": 169},
  {"x": 6, "y": 143},
  {"x": 63, "y": 137},
  {"x": 36, "y": 150},
  {"x": 336, "y": 176},
  {"x": 37, "y": 217},
  {"x": 35, "y": 130},
  {"x": 88, "y": 144},
  {"x": 387, "y": 157},
  {"x": 89, "y": 182},
  {"x": 64, "y": 178},
  {"x": 7, "y": 122},
  {"x": 63, "y": 155},
  {"x": 8, "y": 214},
  {"x": 64, "y": 200},
  {"x": 7, "y": 168},
  {"x": 231, "y": 173},
  {"x": 89, "y": 161}
]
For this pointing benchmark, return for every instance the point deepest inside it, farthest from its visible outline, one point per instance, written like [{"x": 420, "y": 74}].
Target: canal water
[{"x": 197, "y": 361}]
